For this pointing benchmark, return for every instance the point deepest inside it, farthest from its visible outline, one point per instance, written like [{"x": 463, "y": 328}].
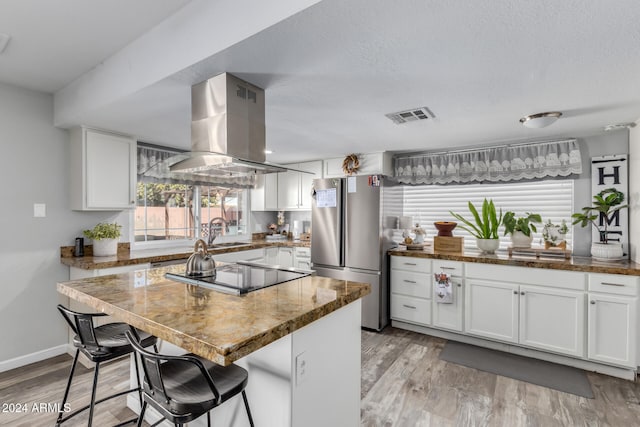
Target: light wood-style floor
[{"x": 403, "y": 384}]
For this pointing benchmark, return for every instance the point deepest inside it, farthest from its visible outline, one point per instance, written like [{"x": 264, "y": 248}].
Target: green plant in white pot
[
  {"x": 485, "y": 225},
  {"x": 520, "y": 228},
  {"x": 605, "y": 204},
  {"x": 105, "y": 238}
]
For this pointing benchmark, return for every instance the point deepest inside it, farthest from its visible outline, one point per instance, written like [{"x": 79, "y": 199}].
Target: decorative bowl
[{"x": 445, "y": 227}]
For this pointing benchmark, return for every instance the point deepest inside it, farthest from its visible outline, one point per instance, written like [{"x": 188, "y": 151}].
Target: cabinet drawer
[
  {"x": 302, "y": 252},
  {"x": 419, "y": 265},
  {"x": 414, "y": 310},
  {"x": 410, "y": 283},
  {"x": 527, "y": 275},
  {"x": 453, "y": 268},
  {"x": 618, "y": 284}
]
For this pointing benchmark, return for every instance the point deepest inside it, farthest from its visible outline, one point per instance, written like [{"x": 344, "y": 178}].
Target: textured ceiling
[{"x": 332, "y": 71}]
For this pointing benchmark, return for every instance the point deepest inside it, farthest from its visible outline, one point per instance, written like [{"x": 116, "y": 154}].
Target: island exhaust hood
[{"x": 227, "y": 130}]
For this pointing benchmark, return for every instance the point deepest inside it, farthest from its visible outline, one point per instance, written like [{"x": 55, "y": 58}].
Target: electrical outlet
[
  {"x": 301, "y": 368},
  {"x": 39, "y": 210}
]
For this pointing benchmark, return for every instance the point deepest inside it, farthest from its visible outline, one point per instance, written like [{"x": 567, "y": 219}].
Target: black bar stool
[
  {"x": 99, "y": 344},
  {"x": 182, "y": 388}
]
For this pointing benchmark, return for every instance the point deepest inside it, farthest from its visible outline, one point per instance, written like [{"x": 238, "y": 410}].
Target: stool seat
[
  {"x": 112, "y": 342},
  {"x": 189, "y": 391}
]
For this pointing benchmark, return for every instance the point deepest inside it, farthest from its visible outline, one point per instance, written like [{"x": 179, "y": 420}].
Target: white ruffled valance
[
  {"x": 504, "y": 163},
  {"x": 154, "y": 163}
]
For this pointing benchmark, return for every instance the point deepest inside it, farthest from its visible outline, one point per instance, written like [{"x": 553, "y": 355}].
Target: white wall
[
  {"x": 634, "y": 192},
  {"x": 34, "y": 170}
]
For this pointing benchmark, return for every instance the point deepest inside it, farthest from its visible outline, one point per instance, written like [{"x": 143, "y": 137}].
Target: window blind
[{"x": 552, "y": 199}]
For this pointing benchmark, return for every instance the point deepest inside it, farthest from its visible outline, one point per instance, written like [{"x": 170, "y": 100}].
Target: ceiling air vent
[{"x": 419, "y": 113}]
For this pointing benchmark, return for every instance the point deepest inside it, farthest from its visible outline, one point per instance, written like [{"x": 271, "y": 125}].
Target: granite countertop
[
  {"x": 214, "y": 325},
  {"x": 127, "y": 257},
  {"x": 585, "y": 264}
]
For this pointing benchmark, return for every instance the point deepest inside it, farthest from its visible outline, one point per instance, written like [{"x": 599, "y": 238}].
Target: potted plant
[
  {"x": 105, "y": 238},
  {"x": 485, "y": 225},
  {"x": 605, "y": 204},
  {"x": 520, "y": 228},
  {"x": 553, "y": 235}
]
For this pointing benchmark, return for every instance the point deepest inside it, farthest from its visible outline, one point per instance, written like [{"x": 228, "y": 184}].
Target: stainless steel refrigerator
[{"x": 352, "y": 222}]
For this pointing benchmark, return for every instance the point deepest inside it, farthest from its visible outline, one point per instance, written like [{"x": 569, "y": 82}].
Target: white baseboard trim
[{"x": 17, "y": 362}]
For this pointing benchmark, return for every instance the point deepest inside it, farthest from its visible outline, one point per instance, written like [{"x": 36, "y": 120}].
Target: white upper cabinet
[
  {"x": 370, "y": 164},
  {"x": 264, "y": 197},
  {"x": 102, "y": 171},
  {"x": 294, "y": 188}
]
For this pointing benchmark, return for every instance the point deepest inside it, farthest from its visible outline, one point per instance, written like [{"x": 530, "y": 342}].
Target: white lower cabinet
[
  {"x": 613, "y": 329},
  {"x": 537, "y": 317},
  {"x": 449, "y": 316},
  {"x": 552, "y": 319},
  {"x": 285, "y": 257},
  {"x": 271, "y": 256},
  {"x": 491, "y": 310},
  {"x": 411, "y": 288},
  {"x": 410, "y": 309},
  {"x": 302, "y": 258}
]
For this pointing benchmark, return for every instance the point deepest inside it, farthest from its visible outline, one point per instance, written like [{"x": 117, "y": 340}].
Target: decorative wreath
[{"x": 351, "y": 164}]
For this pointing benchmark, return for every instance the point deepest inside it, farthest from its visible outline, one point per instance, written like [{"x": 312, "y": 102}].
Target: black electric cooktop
[{"x": 242, "y": 277}]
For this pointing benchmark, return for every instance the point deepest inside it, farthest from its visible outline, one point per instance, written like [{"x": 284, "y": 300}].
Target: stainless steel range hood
[{"x": 227, "y": 129}]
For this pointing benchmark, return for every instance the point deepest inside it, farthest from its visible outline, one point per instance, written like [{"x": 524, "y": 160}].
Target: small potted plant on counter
[
  {"x": 520, "y": 228},
  {"x": 554, "y": 235},
  {"x": 105, "y": 238},
  {"x": 485, "y": 228},
  {"x": 605, "y": 204}
]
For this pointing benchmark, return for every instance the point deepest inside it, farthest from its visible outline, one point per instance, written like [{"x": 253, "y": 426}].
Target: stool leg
[
  {"x": 209, "y": 419},
  {"x": 246, "y": 405},
  {"x": 66, "y": 390},
  {"x": 141, "y": 416},
  {"x": 135, "y": 362},
  {"x": 93, "y": 393}
]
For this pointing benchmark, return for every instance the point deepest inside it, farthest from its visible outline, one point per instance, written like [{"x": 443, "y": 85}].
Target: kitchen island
[{"x": 299, "y": 340}]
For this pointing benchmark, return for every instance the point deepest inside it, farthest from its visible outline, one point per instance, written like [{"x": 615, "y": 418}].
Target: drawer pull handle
[
  {"x": 459, "y": 285},
  {"x": 410, "y": 281},
  {"x": 593, "y": 302},
  {"x": 610, "y": 284},
  {"x": 447, "y": 268},
  {"x": 409, "y": 306},
  {"x": 410, "y": 263}
]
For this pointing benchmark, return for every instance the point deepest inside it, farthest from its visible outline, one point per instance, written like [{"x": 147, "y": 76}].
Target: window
[
  {"x": 552, "y": 199},
  {"x": 171, "y": 208}
]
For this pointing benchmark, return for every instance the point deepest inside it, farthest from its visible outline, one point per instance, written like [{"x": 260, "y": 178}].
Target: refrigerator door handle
[{"x": 361, "y": 270}]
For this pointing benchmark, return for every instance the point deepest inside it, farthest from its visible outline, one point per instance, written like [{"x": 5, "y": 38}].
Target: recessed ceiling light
[
  {"x": 540, "y": 120},
  {"x": 620, "y": 126},
  {"x": 4, "y": 40}
]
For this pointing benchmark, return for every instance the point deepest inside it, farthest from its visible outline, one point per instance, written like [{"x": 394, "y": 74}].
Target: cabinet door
[
  {"x": 306, "y": 182},
  {"x": 288, "y": 189},
  {"x": 271, "y": 256},
  {"x": 264, "y": 197},
  {"x": 492, "y": 310},
  {"x": 552, "y": 319},
  {"x": 613, "y": 329},
  {"x": 304, "y": 264},
  {"x": 449, "y": 316},
  {"x": 285, "y": 257},
  {"x": 109, "y": 171}
]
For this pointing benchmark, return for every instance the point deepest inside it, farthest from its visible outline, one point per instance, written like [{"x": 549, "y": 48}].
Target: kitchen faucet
[{"x": 213, "y": 233}]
